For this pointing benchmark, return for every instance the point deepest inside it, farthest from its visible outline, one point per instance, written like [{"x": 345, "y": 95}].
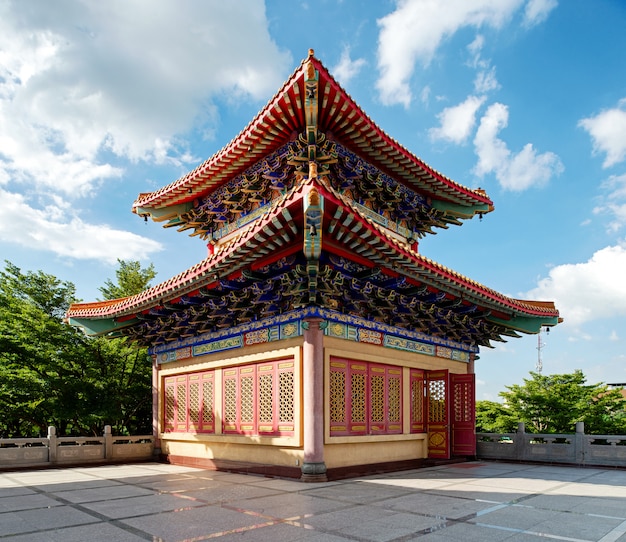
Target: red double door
[{"x": 450, "y": 414}]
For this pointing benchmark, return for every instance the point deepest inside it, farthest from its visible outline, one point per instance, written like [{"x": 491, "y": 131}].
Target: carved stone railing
[
  {"x": 56, "y": 451},
  {"x": 574, "y": 449}
]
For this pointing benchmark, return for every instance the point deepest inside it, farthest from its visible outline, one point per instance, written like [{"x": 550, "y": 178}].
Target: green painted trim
[
  {"x": 101, "y": 326},
  {"x": 461, "y": 211},
  {"x": 526, "y": 324},
  {"x": 165, "y": 213}
]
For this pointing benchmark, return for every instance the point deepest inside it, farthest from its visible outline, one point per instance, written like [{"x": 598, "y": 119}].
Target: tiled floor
[{"x": 463, "y": 502}]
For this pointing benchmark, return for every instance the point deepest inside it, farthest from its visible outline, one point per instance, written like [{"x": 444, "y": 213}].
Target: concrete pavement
[{"x": 479, "y": 501}]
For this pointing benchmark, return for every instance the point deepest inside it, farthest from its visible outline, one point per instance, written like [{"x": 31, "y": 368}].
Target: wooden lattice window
[
  {"x": 437, "y": 404},
  {"x": 259, "y": 399},
  {"x": 463, "y": 401},
  {"x": 418, "y": 423},
  {"x": 365, "y": 398},
  {"x": 189, "y": 403}
]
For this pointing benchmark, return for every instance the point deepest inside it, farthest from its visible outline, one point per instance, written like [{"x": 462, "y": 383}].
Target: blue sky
[{"x": 100, "y": 101}]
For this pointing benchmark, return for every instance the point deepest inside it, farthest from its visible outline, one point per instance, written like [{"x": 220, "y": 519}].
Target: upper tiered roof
[
  {"x": 313, "y": 207},
  {"x": 336, "y": 119}
]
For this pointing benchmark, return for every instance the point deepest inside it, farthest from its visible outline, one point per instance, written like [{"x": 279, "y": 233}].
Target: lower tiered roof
[{"x": 313, "y": 248}]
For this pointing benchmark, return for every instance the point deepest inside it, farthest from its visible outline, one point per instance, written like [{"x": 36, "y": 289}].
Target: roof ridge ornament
[{"x": 311, "y": 83}]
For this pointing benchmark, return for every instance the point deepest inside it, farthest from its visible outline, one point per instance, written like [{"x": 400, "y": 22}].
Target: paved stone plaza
[{"x": 478, "y": 501}]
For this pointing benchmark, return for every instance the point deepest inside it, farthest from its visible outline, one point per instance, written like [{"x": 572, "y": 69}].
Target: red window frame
[
  {"x": 178, "y": 414},
  {"x": 242, "y": 413},
  {"x": 418, "y": 400},
  {"x": 359, "y": 379}
]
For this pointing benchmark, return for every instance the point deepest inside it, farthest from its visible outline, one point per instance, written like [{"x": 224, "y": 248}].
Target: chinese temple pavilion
[{"x": 314, "y": 340}]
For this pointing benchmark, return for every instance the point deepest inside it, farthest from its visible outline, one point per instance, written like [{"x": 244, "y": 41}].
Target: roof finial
[{"x": 311, "y": 52}]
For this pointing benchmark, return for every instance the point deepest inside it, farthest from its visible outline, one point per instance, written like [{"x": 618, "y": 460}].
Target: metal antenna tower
[{"x": 540, "y": 345}]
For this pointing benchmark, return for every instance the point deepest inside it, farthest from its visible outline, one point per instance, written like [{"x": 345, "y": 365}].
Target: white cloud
[
  {"x": 486, "y": 81},
  {"x": 492, "y": 152},
  {"x": 614, "y": 203},
  {"x": 414, "y": 31},
  {"x": 457, "y": 122},
  {"x": 537, "y": 11},
  {"x": 608, "y": 133},
  {"x": 86, "y": 87},
  {"x": 614, "y": 336},
  {"x": 587, "y": 291},
  {"x": 347, "y": 68},
  {"x": 86, "y": 78},
  {"x": 50, "y": 229},
  {"x": 475, "y": 48},
  {"x": 513, "y": 171}
]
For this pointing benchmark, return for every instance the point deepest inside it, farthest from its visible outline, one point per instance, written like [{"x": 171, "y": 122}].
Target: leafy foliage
[
  {"x": 493, "y": 417},
  {"x": 131, "y": 280},
  {"x": 553, "y": 404},
  {"x": 52, "y": 374}
]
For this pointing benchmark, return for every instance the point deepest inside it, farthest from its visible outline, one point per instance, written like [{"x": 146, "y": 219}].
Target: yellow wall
[
  {"x": 288, "y": 451},
  {"x": 247, "y": 450},
  {"x": 367, "y": 452}
]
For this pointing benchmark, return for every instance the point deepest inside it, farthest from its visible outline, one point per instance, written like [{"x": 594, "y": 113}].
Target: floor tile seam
[
  {"x": 316, "y": 514},
  {"x": 18, "y": 510},
  {"x": 531, "y": 496},
  {"x": 444, "y": 522},
  {"x": 62, "y": 501},
  {"x": 98, "y": 518},
  {"x": 393, "y": 511},
  {"x": 579, "y": 472},
  {"x": 172, "y": 492},
  {"x": 532, "y": 533},
  {"x": 300, "y": 521},
  {"x": 47, "y": 530},
  {"x": 131, "y": 529},
  {"x": 81, "y": 507},
  {"x": 219, "y": 534},
  {"x": 516, "y": 503},
  {"x": 323, "y": 530},
  {"x": 432, "y": 493},
  {"x": 447, "y": 522},
  {"x": 348, "y": 503},
  {"x": 615, "y": 533},
  {"x": 573, "y": 512},
  {"x": 29, "y": 494},
  {"x": 442, "y": 484},
  {"x": 296, "y": 521},
  {"x": 425, "y": 531}
]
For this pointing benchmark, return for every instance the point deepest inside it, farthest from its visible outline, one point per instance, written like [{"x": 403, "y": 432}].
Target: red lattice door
[
  {"x": 463, "y": 414},
  {"x": 438, "y": 405}
]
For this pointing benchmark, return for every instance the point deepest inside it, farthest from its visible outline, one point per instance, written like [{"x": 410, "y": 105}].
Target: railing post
[
  {"x": 108, "y": 442},
  {"x": 520, "y": 442},
  {"x": 579, "y": 443},
  {"x": 52, "y": 444}
]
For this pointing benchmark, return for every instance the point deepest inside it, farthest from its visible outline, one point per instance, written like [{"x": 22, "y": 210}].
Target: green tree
[
  {"x": 37, "y": 352},
  {"x": 554, "y": 403},
  {"x": 493, "y": 417},
  {"x": 52, "y": 374},
  {"x": 131, "y": 280},
  {"x": 124, "y": 365}
]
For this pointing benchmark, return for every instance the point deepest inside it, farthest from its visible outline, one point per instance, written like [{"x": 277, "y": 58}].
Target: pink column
[
  {"x": 313, "y": 467},
  {"x": 155, "y": 406},
  {"x": 470, "y": 365}
]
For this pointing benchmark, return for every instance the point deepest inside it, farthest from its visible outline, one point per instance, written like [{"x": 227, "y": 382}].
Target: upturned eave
[{"x": 340, "y": 118}]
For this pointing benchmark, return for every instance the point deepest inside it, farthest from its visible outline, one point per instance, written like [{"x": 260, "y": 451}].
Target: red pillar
[
  {"x": 313, "y": 467},
  {"x": 155, "y": 406}
]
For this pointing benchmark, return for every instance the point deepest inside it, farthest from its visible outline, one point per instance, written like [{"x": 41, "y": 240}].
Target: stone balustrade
[
  {"x": 63, "y": 451},
  {"x": 573, "y": 449}
]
